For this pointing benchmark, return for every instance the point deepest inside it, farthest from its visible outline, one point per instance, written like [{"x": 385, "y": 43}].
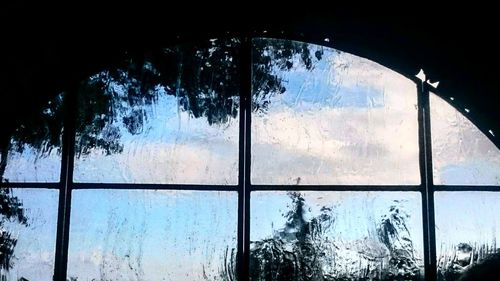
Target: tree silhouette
[
  {"x": 394, "y": 233},
  {"x": 297, "y": 251},
  {"x": 41, "y": 131},
  {"x": 11, "y": 210},
  {"x": 204, "y": 77},
  {"x": 303, "y": 249},
  {"x": 269, "y": 57}
]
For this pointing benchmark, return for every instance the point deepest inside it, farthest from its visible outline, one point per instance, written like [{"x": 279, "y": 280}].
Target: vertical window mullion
[
  {"x": 244, "y": 160},
  {"x": 66, "y": 180},
  {"x": 425, "y": 158}
]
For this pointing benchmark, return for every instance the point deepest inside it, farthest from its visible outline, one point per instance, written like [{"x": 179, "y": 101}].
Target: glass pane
[
  {"x": 321, "y": 116},
  {"x": 461, "y": 153},
  {"x": 33, "y": 152},
  {"x": 336, "y": 236},
  {"x": 153, "y": 235},
  {"x": 466, "y": 233},
  {"x": 28, "y": 233},
  {"x": 169, "y": 117}
]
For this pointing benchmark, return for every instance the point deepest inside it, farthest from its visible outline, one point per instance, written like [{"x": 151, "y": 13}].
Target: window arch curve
[{"x": 189, "y": 136}]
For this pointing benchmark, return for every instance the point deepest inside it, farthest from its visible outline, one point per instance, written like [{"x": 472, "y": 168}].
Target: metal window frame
[
  {"x": 426, "y": 180},
  {"x": 244, "y": 187}
]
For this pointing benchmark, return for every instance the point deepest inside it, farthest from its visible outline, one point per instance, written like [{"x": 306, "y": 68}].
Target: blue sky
[
  {"x": 466, "y": 217},
  {"x": 461, "y": 154},
  {"x": 336, "y": 124},
  {"x": 170, "y": 233},
  {"x": 173, "y": 148},
  {"x": 348, "y": 121},
  {"x": 155, "y": 234},
  {"x": 356, "y": 213},
  {"x": 34, "y": 252}
]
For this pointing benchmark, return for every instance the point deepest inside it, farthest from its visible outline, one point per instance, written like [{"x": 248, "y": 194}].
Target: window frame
[{"x": 427, "y": 188}]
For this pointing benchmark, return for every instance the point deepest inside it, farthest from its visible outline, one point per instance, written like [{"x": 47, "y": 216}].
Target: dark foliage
[
  {"x": 486, "y": 270},
  {"x": 302, "y": 250},
  {"x": 295, "y": 252},
  {"x": 203, "y": 76},
  {"x": 11, "y": 210}
]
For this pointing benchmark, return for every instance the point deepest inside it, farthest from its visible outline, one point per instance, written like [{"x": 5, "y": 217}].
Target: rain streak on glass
[
  {"x": 170, "y": 116},
  {"x": 33, "y": 153},
  {"x": 336, "y": 236},
  {"x": 28, "y": 219},
  {"x": 321, "y": 116},
  {"x": 467, "y": 231},
  {"x": 153, "y": 235},
  {"x": 461, "y": 153}
]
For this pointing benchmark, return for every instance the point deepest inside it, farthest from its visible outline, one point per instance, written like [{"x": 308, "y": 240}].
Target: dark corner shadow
[{"x": 487, "y": 270}]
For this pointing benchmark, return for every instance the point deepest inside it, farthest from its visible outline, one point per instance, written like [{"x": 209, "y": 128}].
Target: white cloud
[
  {"x": 461, "y": 153},
  {"x": 340, "y": 145},
  {"x": 31, "y": 166},
  {"x": 214, "y": 163},
  {"x": 32, "y": 266},
  {"x": 173, "y": 148}
]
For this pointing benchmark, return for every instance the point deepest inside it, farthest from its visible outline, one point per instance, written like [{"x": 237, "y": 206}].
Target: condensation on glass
[
  {"x": 33, "y": 153},
  {"x": 467, "y": 231},
  {"x": 461, "y": 153},
  {"x": 322, "y": 116},
  {"x": 336, "y": 236},
  {"x": 153, "y": 235},
  {"x": 168, "y": 117},
  {"x": 28, "y": 219}
]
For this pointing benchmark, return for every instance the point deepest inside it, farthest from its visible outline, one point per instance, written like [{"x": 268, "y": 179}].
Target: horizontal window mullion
[
  {"x": 467, "y": 188},
  {"x": 154, "y": 186},
  {"x": 50, "y": 185},
  {"x": 339, "y": 187}
]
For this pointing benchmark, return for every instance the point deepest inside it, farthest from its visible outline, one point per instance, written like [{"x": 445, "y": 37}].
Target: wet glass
[
  {"x": 169, "y": 117},
  {"x": 466, "y": 231},
  {"x": 461, "y": 153},
  {"x": 33, "y": 153},
  {"x": 322, "y": 116},
  {"x": 336, "y": 236},
  {"x": 153, "y": 235},
  {"x": 28, "y": 220}
]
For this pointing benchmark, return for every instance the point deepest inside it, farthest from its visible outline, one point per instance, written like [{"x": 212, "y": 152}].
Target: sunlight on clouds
[
  {"x": 173, "y": 147},
  {"x": 461, "y": 153},
  {"x": 188, "y": 163},
  {"x": 32, "y": 166},
  {"x": 355, "y": 125}
]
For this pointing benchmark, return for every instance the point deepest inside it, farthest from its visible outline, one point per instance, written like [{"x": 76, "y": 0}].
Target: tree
[
  {"x": 296, "y": 252},
  {"x": 395, "y": 234},
  {"x": 204, "y": 77},
  {"x": 269, "y": 56},
  {"x": 302, "y": 250},
  {"x": 42, "y": 132},
  {"x": 11, "y": 210}
]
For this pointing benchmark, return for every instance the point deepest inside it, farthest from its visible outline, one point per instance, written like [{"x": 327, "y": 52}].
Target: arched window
[{"x": 261, "y": 159}]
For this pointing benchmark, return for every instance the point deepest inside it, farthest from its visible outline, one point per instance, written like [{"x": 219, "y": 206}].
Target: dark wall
[{"x": 44, "y": 53}]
